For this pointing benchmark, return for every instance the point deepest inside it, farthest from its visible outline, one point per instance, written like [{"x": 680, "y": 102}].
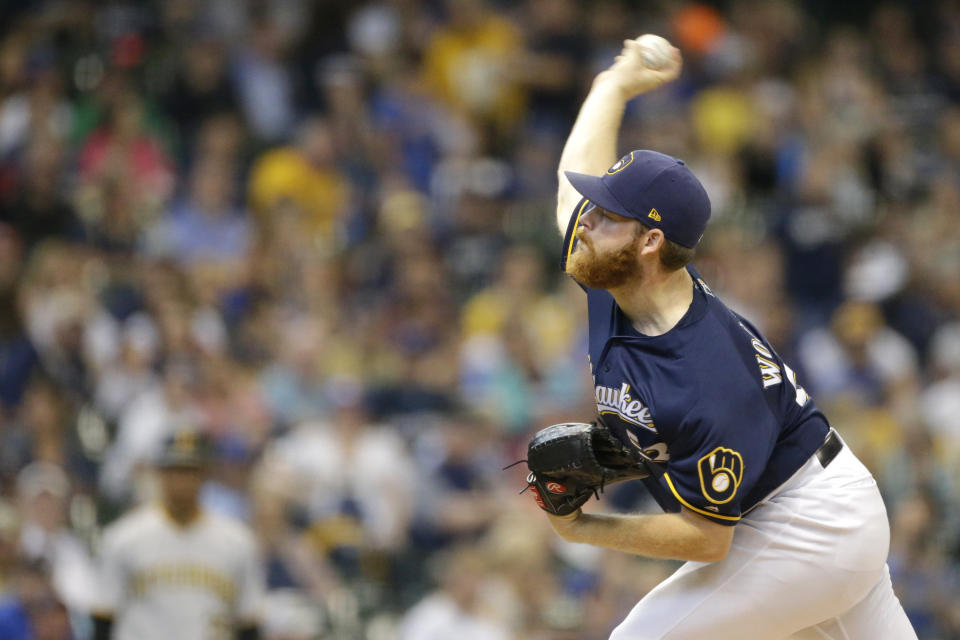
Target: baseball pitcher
[{"x": 783, "y": 529}]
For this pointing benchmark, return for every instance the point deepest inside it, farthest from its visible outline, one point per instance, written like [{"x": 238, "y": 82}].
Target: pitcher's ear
[{"x": 652, "y": 240}]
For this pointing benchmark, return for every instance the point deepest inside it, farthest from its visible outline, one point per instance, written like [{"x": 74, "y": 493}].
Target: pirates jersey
[
  {"x": 161, "y": 580},
  {"x": 710, "y": 400}
]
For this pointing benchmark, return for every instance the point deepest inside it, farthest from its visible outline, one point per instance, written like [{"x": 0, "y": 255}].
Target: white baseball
[{"x": 656, "y": 51}]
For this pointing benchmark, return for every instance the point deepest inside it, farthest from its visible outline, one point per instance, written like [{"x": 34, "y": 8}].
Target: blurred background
[{"x": 323, "y": 231}]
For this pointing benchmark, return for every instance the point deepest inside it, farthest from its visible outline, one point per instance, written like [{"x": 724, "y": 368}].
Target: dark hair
[{"x": 672, "y": 255}]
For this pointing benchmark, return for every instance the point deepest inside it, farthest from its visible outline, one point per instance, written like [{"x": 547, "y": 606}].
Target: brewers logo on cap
[{"x": 621, "y": 164}]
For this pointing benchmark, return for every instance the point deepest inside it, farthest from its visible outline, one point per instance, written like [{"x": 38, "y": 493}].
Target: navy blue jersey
[{"x": 710, "y": 400}]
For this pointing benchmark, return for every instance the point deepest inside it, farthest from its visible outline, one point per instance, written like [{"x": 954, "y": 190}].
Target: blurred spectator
[
  {"x": 125, "y": 176},
  {"x": 350, "y": 472},
  {"x": 206, "y": 225},
  {"x": 467, "y": 64},
  {"x": 928, "y": 590},
  {"x": 351, "y": 130},
  {"x": 55, "y": 305},
  {"x": 416, "y": 126},
  {"x": 940, "y": 402},
  {"x": 220, "y": 139},
  {"x": 457, "y": 607},
  {"x": 290, "y": 615},
  {"x": 549, "y": 69},
  {"x": 40, "y": 429},
  {"x": 518, "y": 342},
  {"x": 456, "y": 498},
  {"x": 859, "y": 357},
  {"x": 39, "y": 210},
  {"x": 291, "y": 560},
  {"x": 33, "y": 611},
  {"x": 294, "y": 385},
  {"x": 130, "y": 373},
  {"x": 38, "y": 112},
  {"x": 202, "y": 87},
  {"x": 16, "y": 349},
  {"x": 43, "y": 493},
  {"x": 265, "y": 85},
  {"x": 225, "y": 492},
  {"x": 148, "y": 419},
  {"x": 307, "y": 177}
]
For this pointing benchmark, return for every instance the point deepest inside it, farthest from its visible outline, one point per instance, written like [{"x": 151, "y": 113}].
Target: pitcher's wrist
[{"x": 610, "y": 81}]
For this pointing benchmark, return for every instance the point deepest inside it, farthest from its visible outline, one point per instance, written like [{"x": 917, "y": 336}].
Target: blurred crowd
[{"x": 323, "y": 232}]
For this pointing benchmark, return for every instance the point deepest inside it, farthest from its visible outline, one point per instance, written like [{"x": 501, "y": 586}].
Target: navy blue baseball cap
[{"x": 656, "y": 189}]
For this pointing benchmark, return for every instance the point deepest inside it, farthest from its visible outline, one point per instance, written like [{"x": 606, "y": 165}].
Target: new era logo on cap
[{"x": 656, "y": 189}]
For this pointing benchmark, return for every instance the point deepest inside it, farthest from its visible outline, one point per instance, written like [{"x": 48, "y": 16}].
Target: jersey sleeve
[
  {"x": 717, "y": 457},
  {"x": 570, "y": 237}
]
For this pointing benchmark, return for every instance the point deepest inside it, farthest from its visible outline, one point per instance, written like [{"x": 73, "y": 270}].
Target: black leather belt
[{"x": 829, "y": 449}]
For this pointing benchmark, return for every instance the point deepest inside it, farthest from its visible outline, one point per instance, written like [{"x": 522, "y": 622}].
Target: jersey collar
[{"x": 698, "y": 308}]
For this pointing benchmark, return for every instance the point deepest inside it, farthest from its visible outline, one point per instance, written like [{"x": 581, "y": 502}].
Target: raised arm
[{"x": 591, "y": 146}]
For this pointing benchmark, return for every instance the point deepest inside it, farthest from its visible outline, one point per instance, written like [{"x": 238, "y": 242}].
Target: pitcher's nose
[{"x": 589, "y": 217}]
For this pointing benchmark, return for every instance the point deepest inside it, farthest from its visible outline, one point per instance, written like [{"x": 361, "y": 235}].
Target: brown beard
[{"x": 606, "y": 270}]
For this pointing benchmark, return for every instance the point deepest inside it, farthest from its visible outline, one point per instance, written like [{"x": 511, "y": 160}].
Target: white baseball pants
[{"x": 807, "y": 564}]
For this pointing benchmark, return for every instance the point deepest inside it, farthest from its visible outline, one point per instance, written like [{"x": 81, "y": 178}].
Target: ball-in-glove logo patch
[{"x": 721, "y": 471}]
